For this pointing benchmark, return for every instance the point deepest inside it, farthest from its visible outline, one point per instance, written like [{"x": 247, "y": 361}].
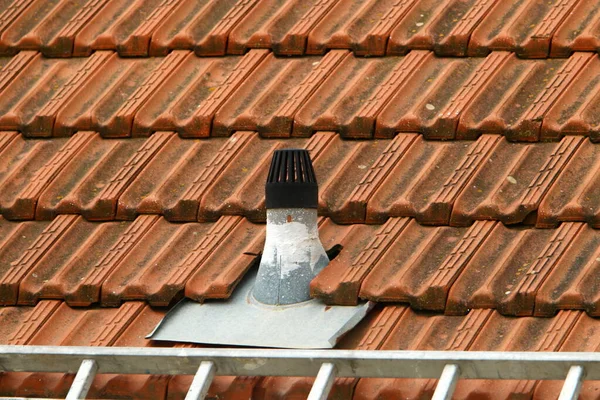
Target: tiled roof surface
[{"x": 454, "y": 143}]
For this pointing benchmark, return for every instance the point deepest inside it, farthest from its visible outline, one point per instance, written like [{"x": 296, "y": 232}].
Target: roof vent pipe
[
  {"x": 293, "y": 254},
  {"x": 272, "y": 307}
]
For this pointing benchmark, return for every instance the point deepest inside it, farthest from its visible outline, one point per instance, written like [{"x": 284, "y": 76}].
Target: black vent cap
[{"x": 291, "y": 182}]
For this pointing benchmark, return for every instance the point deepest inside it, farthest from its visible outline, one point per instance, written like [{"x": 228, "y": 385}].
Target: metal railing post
[
  {"x": 202, "y": 381},
  {"x": 573, "y": 382},
  {"x": 323, "y": 383},
  {"x": 447, "y": 383},
  {"x": 83, "y": 380}
]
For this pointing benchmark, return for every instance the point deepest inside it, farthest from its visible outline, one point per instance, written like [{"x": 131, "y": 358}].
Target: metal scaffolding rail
[{"x": 326, "y": 365}]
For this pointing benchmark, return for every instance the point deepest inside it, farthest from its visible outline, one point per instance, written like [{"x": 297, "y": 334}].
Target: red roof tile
[{"x": 127, "y": 183}]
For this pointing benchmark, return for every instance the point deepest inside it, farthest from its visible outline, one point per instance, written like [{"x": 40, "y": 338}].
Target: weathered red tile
[
  {"x": 347, "y": 206},
  {"x": 25, "y": 204},
  {"x": 182, "y": 94},
  {"x": 218, "y": 275},
  {"x": 578, "y": 31},
  {"x": 521, "y": 299},
  {"x": 118, "y": 121},
  {"x": 260, "y": 101},
  {"x": 419, "y": 331},
  {"x": 186, "y": 208},
  {"x": 571, "y": 285},
  {"x": 281, "y": 121},
  {"x": 198, "y": 122},
  {"x": 511, "y": 267},
  {"x": 43, "y": 121},
  {"x": 201, "y": 26},
  {"x": 364, "y": 245},
  {"x": 434, "y": 98},
  {"x": 361, "y": 26},
  {"x": 123, "y": 25},
  {"x": 572, "y": 197},
  {"x": 6, "y": 137},
  {"x": 280, "y": 26},
  {"x": 551, "y": 93},
  {"x": 52, "y": 33},
  {"x": 19, "y": 324},
  {"x": 20, "y": 266},
  {"x": 426, "y": 181},
  {"x": 70, "y": 260},
  {"x": 238, "y": 189},
  {"x": 88, "y": 289},
  {"x": 158, "y": 267},
  {"x": 175, "y": 278},
  {"x": 524, "y": 26},
  {"x": 422, "y": 264},
  {"x": 444, "y": 26},
  {"x": 10, "y": 11},
  {"x": 575, "y": 112},
  {"x": 39, "y": 87},
  {"x": 16, "y": 240},
  {"x": 512, "y": 181},
  {"x": 22, "y": 162},
  {"x": 93, "y": 181},
  {"x": 11, "y": 67},
  {"x": 369, "y": 334},
  {"x": 516, "y": 334},
  {"x": 354, "y": 94},
  {"x": 164, "y": 180},
  {"x": 102, "y": 94},
  {"x": 144, "y": 267},
  {"x": 522, "y": 95}
]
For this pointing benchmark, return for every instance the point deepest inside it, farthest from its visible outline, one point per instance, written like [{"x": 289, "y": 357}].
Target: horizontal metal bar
[{"x": 269, "y": 362}]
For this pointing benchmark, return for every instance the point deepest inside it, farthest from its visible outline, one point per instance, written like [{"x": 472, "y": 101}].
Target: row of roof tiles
[
  {"x": 532, "y": 28},
  {"x": 385, "y": 328},
  {"x": 518, "y": 271},
  {"x": 442, "y": 98},
  {"x": 437, "y": 182}
]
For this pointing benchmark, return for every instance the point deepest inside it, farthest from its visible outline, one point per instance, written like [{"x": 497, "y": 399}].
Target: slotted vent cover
[{"x": 291, "y": 182}]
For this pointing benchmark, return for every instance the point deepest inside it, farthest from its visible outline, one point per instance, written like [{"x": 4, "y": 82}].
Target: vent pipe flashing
[
  {"x": 293, "y": 254},
  {"x": 272, "y": 307}
]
